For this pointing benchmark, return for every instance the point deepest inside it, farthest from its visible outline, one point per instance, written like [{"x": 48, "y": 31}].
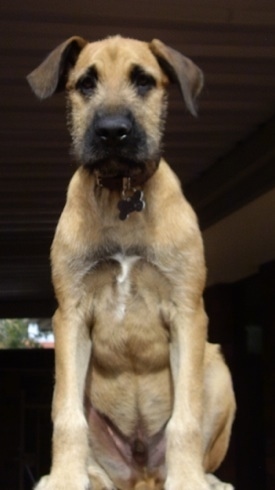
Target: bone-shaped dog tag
[{"x": 130, "y": 204}]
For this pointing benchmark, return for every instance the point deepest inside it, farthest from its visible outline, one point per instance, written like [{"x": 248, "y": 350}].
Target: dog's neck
[
  {"x": 114, "y": 183},
  {"x": 120, "y": 182},
  {"x": 131, "y": 197}
]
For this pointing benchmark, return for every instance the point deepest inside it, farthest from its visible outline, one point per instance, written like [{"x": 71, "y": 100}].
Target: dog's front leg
[
  {"x": 70, "y": 436},
  {"x": 184, "y": 454}
]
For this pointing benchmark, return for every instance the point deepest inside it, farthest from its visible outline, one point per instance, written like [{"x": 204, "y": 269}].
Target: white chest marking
[
  {"x": 123, "y": 283},
  {"x": 126, "y": 266}
]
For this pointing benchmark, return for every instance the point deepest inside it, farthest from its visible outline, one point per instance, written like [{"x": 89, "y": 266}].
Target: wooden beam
[{"x": 244, "y": 174}]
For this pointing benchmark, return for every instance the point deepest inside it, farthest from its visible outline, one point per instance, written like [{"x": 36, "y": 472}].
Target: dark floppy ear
[
  {"x": 51, "y": 75},
  {"x": 179, "y": 69}
]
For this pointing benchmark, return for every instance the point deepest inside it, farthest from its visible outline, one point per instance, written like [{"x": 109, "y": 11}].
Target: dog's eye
[
  {"x": 142, "y": 81},
  {"x": 88, "y": 82}
]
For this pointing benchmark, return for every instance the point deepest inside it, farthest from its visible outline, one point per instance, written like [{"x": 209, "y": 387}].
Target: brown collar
[{"x": 118, "y": 183}]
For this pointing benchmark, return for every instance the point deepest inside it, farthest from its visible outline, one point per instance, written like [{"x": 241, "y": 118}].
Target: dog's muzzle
[
  {"x": 115, "y": 144},
  {"x": 114, "y": 131}
]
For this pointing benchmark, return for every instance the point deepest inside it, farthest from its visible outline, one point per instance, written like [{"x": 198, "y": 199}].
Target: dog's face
[
  {"x": 116, "y": 107},
  {"x": 116, "y": 93}
]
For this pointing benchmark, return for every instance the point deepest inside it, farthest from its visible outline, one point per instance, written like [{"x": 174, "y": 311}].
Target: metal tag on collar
[{"x": 131, "y": 200}]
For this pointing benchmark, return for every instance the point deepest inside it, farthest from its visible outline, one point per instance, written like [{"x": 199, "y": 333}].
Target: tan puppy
[{"x": 141, "y": 400}]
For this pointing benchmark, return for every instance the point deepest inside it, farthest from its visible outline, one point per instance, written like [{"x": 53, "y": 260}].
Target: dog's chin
[
  {"x": 113, "y": 167},
  {"x": 138, "y": 171}
]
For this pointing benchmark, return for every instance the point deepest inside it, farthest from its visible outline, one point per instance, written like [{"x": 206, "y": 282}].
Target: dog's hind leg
[{"x": 219, "y": 405}]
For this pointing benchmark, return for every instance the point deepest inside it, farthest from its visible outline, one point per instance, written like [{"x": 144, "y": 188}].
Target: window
[{"x": 26, "y": 333}]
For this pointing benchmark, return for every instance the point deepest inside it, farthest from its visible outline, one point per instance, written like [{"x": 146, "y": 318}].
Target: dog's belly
[
  {"x": 129, "y": 380},
  {"x": 127, "y": 461}
]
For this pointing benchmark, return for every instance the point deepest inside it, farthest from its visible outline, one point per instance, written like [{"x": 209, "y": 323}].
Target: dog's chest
[
  {"x": 127, "y": 320},
  {"x": 123, "y": 283}
]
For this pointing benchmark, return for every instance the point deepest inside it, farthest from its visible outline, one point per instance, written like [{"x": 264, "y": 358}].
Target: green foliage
[{"x": 14, "y": 334}]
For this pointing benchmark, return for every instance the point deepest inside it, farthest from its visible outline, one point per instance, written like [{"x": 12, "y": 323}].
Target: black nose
[{"x": 113, "y": 129}]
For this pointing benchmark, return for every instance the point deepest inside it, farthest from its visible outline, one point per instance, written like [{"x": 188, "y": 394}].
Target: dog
[{"x": 141, "y": 400}]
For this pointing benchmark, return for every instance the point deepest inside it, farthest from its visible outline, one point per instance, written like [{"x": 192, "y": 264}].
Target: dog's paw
[
  {"x": 66, "y": 482},
  {"x": 190, "y": 483},
  {"x": 99, "y": 479},
  {"x": 216, "y": 484}
]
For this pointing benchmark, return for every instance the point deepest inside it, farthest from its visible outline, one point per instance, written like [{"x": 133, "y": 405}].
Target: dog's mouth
[
  {"x": 115, "y": 145},
  {"x": 117, "y": 167}
]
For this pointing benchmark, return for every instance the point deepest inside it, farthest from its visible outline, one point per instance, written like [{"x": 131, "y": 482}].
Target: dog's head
[{"x": 117, "y": 103}]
